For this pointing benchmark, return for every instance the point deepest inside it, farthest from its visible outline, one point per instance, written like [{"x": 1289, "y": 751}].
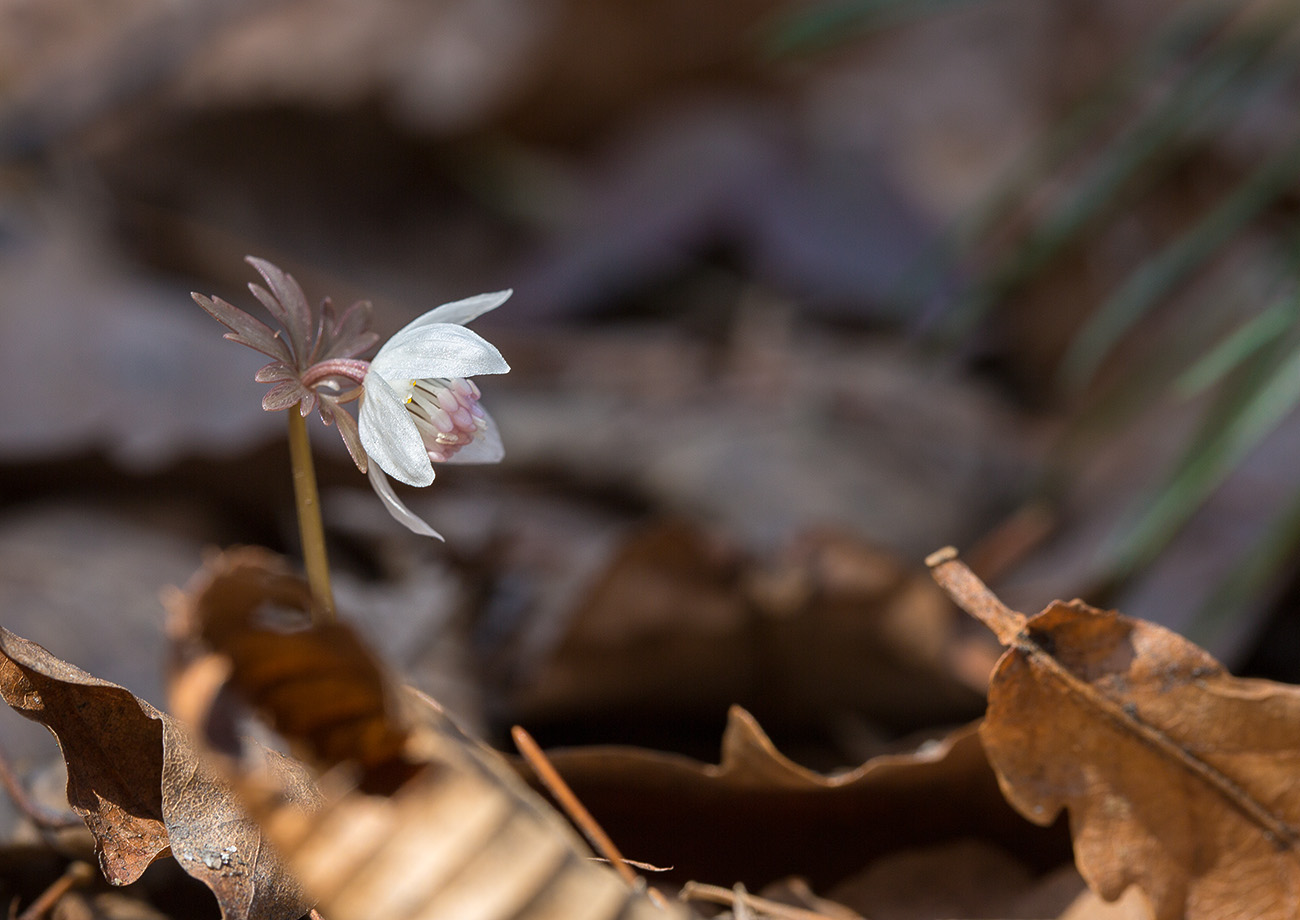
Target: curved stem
[
  {"x": 310, "y": 527},
  {"x": 348, "y": 368}
]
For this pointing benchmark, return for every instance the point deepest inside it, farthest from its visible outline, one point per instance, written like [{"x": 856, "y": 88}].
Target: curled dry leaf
[
  {"x": 681, "y": 624},
  {"x": 438, "y": 826},
  {"x": 1179, "y": 778},
  {"x": 320, "y": 686},
  {"x": 136, "y": 780},
  {"x": 757, "y": 816},
  {"x": 112, "y": 742}
]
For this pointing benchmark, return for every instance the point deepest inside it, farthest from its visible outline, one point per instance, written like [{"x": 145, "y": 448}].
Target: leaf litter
[
  {"x": 1175, "y": 774},
  {"x": 143, "y": 790}
]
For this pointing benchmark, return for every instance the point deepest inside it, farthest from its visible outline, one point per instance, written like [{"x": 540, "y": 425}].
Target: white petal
[
  {"x": 460, "y": 311},
  {"x": 384, "y": 489},
  {"x": 437, "y": 350},
  {"x": 389, "y": 435},
  {"x": 486, "y": 448}
]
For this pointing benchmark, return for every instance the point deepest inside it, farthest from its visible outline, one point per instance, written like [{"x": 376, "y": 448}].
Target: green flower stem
[{"x": 309, "y": 521}]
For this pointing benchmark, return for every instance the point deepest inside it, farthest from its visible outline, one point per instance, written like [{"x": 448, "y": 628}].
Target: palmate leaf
[
  {"x": 245, "y": 329},
  {"x": 287, "y": 303}
]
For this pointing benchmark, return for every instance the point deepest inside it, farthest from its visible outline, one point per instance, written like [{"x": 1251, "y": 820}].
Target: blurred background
[{"x": 804, "y": 290}]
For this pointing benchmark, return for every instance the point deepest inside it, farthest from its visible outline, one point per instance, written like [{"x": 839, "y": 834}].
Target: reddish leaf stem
[
  {"x": 715, "y": 894},
  {"x": 973, "y": 596},
  {"x": 41, "y": 817},
  {"x": 78, "y": 873},
  {"x": 577, "y": 812}
]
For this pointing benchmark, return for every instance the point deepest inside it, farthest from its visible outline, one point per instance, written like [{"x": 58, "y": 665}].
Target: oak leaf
[
  {"x": 1179, "y": 778},
  {"x": 136, "y": 780}
]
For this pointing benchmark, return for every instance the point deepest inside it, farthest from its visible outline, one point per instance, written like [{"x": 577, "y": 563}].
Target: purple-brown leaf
[
  {"x": 245, "y": 329},
  {"x": 287, "y": 303}
]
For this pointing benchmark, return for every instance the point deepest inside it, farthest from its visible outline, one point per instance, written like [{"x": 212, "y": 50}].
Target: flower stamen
[{"x": 447, "y": 414}]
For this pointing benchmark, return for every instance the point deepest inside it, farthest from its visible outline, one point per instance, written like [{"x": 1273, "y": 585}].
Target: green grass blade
[
  {"x": 1187, "y": 30},
  {"x": 809, "y": 31},
  {"x": 1258, "y": 570},
  {"x": 1240, "y": 425},
  {"x": 1175, "y": 263},
  {"x": 1237, "y": 348}
]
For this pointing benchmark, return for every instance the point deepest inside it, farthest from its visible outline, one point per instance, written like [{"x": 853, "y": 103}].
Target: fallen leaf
[
  {"x": 1179, "y": 778},
  {"x": 965, "y": 878},
  {"x": 112, "y": 742},
  {"x": 420, "y": 821},
  {"x": 1132, "y": 905},
  {"x": 758, "y": 817},
  {"x": 318, "y": 686},
  {"x": 135, "y": 779},
  {"x": 680, "y": 624}
]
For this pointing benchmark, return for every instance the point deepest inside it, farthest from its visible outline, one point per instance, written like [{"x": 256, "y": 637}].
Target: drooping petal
[
  {"x": 437, "y": 350},
  {"x": 485, "y": 448},
  {"x": 389, "y": 435},
  {"x": 460, "y": 312},
  {"x": 408, "y": 518}
]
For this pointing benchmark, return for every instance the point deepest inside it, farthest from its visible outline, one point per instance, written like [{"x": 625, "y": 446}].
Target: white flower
[{"x": 417, "y": 408}]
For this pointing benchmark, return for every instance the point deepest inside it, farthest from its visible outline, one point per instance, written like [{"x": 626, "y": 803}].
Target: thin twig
[
  {"x": 39, "y": 815},
  {"x": 715, "y": 894},
  {"x": 78, "y": 873},
  {"x": 576, "y": 811}
]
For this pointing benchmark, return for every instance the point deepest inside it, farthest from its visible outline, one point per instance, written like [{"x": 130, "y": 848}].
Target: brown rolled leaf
[
  {"x": 1179, "y": 778},
  {"x": 137, "y": 781},
  {"x": 320, "y": 686}
]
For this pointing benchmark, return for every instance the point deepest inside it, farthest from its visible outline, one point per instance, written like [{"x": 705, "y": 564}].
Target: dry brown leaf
[
  {"x": 1132, "y": 905},
  {"x": 318, "y": 686},
  {"x": 439, "y": 826},
  {"x": 679, "y": 625},
  {"x": 112, "y": 742},
  {"x": 963, "y": 878},
  {"x": 1179, "y": 778},
  {"x": 758, "y": 817},
  {"x": 135, "y": 779}
]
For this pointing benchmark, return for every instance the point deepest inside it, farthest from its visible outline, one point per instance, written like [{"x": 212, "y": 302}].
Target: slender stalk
[
  {"x": 576, "y": 811},
  {"x": 310, "y": 527}
]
